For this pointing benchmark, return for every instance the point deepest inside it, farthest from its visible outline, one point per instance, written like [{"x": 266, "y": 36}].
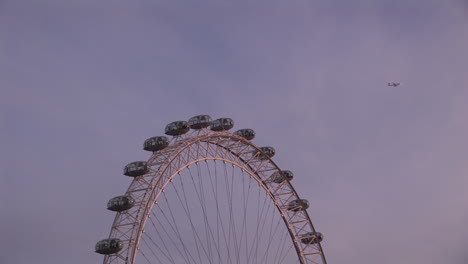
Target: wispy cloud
[{"x": 83, "y": 84}]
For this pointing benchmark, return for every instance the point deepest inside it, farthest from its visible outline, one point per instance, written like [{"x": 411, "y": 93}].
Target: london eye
[{"x": 208, "y": 195}]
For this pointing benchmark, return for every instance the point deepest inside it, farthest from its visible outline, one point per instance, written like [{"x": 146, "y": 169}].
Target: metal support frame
[{"x": 194, "y": 147}]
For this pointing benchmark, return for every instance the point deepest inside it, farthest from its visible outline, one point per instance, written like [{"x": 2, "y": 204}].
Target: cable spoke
[{"x": 214, "y": 212}]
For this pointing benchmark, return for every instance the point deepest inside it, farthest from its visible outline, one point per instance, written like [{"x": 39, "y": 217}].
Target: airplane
[{"x": 394, "y": 84}]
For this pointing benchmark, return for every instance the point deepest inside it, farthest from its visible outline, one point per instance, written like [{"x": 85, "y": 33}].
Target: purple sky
[{"x": 84, "y": 83}]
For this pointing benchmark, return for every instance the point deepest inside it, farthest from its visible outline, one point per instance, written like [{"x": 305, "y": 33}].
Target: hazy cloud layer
[{"x": 84, "y": 83}]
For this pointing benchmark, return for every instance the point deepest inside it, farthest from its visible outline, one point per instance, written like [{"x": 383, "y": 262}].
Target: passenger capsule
[
  {"x": 200, "y": 121},
  {"x": 120, "y": 203},
  {"x": 136, "y": 169},
  {"x": 269, "y": 152},
  {"x": 247, "y": 133},
  {"x": 177, "y": 128},
  {"x": 156, "y": 143},
  {"x": 298, "y": 205},
  {"x": 311, "y": 238},
  {"x": 281, "y": 176},
  {"x": 109, "y": 246},
  {"x": 222, "y": 124}
]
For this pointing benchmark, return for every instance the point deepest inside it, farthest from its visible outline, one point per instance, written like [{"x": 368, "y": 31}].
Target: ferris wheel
[{"x": 207, "y": 195}]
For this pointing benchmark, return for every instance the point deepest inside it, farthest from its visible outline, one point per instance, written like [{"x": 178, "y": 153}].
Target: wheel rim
[{"x": 190, "y": 150}]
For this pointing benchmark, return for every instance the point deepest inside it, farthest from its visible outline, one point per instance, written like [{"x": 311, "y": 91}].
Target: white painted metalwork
[{"x": 191, "y": 149}]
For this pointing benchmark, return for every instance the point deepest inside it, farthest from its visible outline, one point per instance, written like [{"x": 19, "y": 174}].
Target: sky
[{"x": 84, "y": 83}]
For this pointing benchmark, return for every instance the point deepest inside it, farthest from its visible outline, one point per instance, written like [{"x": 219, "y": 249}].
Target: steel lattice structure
[{"x": 192, "y": 149}]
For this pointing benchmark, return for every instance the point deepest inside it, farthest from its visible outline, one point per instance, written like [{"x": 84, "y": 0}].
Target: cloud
[{"x": 83, "y": 84}]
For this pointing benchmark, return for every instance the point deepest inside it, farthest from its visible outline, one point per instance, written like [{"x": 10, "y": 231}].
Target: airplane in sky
[{"x": 393, "y": 84}]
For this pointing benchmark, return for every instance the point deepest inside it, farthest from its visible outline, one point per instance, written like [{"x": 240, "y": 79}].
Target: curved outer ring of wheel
[{"x": 188, "y": 150}]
